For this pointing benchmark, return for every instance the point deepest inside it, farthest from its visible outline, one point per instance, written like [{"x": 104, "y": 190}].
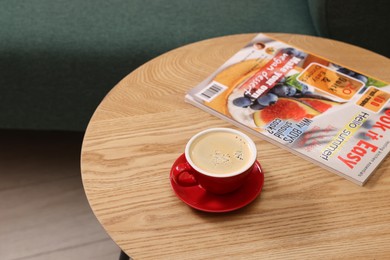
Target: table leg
[{"x": 123, "y": 256}]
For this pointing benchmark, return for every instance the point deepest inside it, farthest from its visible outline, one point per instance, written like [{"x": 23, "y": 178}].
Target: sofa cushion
[
  {"x": 58, "y": 59},
  {"x": 359, "y": 22}
]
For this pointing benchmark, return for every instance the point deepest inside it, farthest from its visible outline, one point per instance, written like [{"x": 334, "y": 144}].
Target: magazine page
[{"x": 329, "y": 114}]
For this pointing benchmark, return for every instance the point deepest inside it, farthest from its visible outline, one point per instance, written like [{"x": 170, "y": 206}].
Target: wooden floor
[{"x": 44, "y": 213}]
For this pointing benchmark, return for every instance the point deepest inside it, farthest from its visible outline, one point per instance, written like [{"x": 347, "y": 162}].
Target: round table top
[{"x": 141, "y": 127}]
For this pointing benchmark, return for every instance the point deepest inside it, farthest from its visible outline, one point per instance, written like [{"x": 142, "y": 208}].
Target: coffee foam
[{"x": 220, "y": 152}]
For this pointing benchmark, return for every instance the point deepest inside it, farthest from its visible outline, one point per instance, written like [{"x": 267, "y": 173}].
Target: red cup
[{"x": 190, "y": 174}]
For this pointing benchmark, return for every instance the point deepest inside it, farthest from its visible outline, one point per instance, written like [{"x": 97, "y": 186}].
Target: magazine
[{"x": 329, "y": 114}]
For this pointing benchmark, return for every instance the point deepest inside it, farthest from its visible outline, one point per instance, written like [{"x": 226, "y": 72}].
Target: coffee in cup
[
  {"x": 220, "y": 152},
  {"x": 219, "y": 159}
]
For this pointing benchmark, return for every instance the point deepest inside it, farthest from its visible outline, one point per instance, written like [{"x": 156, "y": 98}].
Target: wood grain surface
[{"x": 304, "y": 211}]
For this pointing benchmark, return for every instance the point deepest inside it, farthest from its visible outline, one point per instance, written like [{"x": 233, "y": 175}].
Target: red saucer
[{"x": 199, "y": 198}]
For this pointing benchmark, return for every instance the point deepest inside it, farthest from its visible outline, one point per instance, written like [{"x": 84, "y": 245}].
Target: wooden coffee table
[{"x": 303, "y": 212}]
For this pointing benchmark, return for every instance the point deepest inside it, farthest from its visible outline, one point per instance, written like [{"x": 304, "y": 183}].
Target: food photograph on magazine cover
[{"x": 325, "y": 112}]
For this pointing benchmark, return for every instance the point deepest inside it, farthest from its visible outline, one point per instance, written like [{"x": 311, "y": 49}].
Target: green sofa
[{"x": 58, "y": 59}]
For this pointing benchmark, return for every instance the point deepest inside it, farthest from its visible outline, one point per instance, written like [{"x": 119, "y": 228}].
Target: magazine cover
[{"x": 325, "y": 112}]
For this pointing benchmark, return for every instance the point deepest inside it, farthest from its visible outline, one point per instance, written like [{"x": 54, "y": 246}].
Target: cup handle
[{"x": 183, "y": 176}]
